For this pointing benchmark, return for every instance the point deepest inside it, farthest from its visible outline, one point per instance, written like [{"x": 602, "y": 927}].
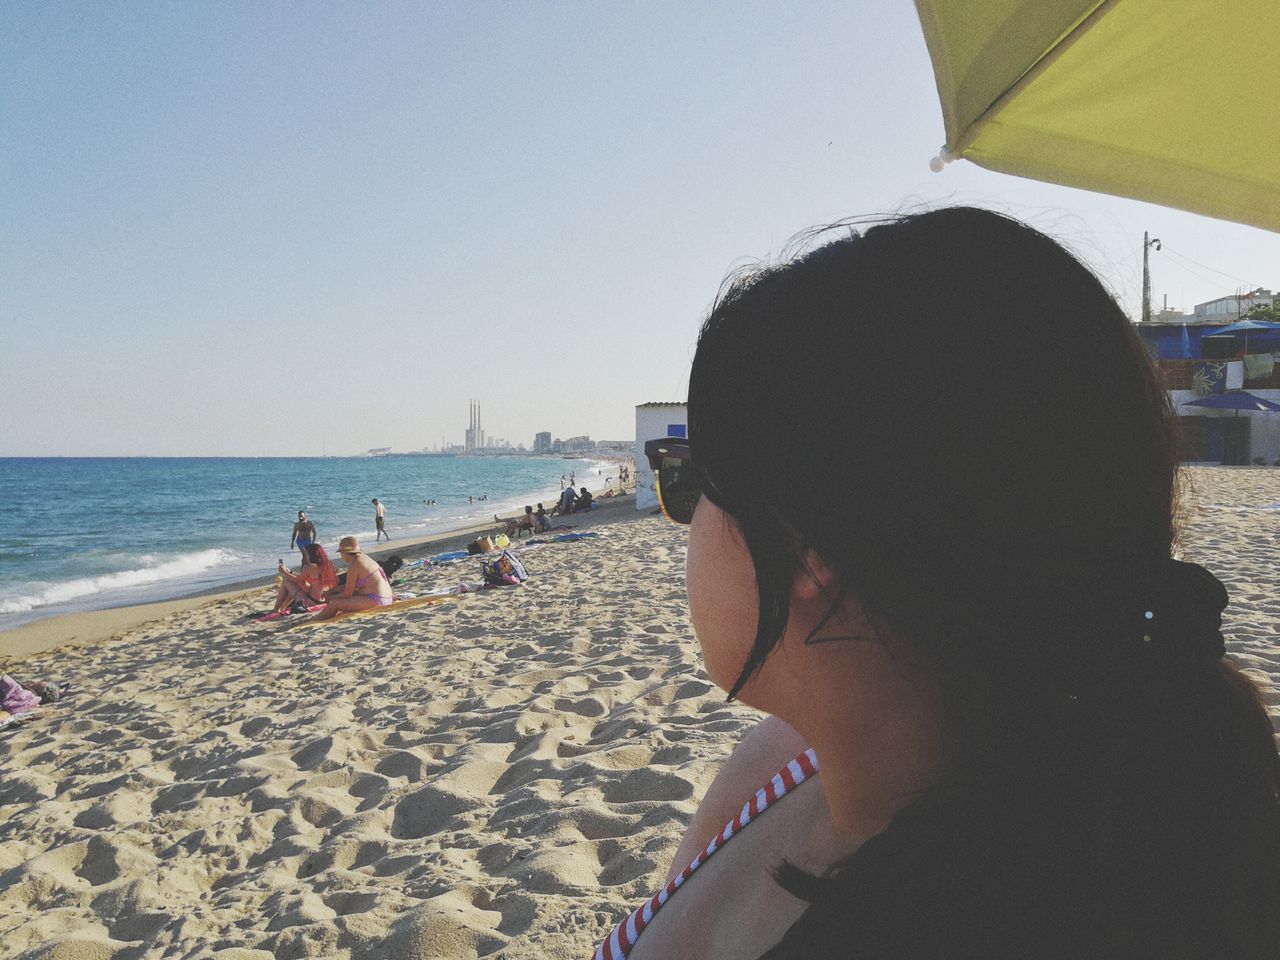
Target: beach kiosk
[{"x": 653, "y": 422}]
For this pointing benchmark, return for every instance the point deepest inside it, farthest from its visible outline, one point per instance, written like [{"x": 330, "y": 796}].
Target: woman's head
[
  {"x": 949, "y": 428},
  {"x": 317, "y": 555},
  {"x": 954, "y": 414},
  {"x": 349, "y": 548}
]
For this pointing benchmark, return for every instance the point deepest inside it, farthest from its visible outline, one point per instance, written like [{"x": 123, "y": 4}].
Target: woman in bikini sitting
[
  {"x": 366, "y": 585},
  {"x": 1000, "y": 708},
  {"x": 310, "y": 584}
]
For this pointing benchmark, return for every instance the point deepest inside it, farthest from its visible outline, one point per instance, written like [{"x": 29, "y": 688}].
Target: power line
[
  {"x": 1182, "y": 256},
  {"x": 1215, "y": 284}
]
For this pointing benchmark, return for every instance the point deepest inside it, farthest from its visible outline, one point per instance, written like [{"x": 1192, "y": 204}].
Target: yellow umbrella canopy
[{"x": 1170, "y": 101}]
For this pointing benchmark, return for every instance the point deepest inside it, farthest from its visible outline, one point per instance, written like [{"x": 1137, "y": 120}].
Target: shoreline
[
  {"x": 215, "y": 526},
  {"x": 84, "y": 627}
]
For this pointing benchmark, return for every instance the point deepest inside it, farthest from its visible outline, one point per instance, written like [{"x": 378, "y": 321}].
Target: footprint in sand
[
  {"x": 428, "y": 811},
  {"x": 647, "y": 784}
]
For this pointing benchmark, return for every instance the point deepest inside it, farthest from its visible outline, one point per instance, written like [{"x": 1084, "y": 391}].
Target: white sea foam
[
  {"x": 154, "y": 570},
  {"x": 1235, "y": 508}
]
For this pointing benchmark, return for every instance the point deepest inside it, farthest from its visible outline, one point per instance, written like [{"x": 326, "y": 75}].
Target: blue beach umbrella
[
  {"x": 1246, "y": 326},
  {"x": 1236, "y": 400}
]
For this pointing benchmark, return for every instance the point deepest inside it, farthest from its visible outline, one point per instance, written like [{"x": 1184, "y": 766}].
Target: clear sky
[{"x": 293, "y": 228}]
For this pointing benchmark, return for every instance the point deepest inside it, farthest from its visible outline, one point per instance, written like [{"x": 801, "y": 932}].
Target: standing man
[
  {"x": 380, "y": 513},
  {"x": 304, "y": 534}
]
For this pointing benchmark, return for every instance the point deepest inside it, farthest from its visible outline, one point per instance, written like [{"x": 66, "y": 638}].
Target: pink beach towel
[{"x": 16, "y": 698}]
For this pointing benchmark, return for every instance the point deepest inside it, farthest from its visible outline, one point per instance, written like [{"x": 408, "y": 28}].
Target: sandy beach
[{"x": 503, "y": 775}]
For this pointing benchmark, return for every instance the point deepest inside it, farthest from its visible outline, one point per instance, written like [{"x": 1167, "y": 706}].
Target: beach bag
[
  {"x": 482, "y": 545},
  {"x": 505, "y": 569}
]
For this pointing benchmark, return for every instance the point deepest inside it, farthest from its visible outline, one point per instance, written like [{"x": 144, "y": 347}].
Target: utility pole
[{"x": 1147, "y": 244}]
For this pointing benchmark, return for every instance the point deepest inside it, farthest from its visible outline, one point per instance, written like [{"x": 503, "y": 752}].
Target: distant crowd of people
[
  {"x": 317, "y": 583},
  {"x": 539, "y": 520}
]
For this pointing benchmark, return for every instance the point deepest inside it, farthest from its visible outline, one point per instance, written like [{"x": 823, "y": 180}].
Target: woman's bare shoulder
[{"x": 769, "y": 747}]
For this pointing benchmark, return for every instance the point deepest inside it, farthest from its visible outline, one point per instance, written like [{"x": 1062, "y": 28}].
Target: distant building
[
  {"x": 474, "y": 433},
  {"x": 578, "y": 445},
  {"x": 542, "y": 442},
  {"x": 653, "y": 422},
  {"x": 1229, "y": 309}
]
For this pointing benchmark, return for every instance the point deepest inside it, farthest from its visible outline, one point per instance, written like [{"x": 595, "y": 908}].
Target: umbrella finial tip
[{"x": 944, "y": 157}]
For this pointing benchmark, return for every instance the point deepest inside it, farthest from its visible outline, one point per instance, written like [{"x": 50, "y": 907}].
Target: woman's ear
[{"x": 814, "y": 580}]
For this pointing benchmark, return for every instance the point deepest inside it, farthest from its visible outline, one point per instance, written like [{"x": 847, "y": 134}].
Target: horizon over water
[{"x": 87, "y": 533}]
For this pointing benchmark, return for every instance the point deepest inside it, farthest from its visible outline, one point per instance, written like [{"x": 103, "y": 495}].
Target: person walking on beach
[
  {"x": 304, "y": 534},
  {"x": 379, "y": 518}
]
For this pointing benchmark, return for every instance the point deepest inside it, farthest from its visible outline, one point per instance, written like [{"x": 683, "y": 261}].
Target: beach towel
[
  {"x": 15, "y": 698},
  {"x": 314, "y": 608},
  {"x": 569, "y": 537},
  {"x": 371, "y": 611},
  {"x": 1258, "y": 365},
  {"x": 1209, "y": 377},
  {"x": 8, "y": 719}
]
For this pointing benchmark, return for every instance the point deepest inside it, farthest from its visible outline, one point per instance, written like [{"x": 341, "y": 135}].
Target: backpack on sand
[{"x": 504, "y": 569}]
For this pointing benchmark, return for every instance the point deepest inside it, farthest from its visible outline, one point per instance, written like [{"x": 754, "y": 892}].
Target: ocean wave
[{"x": 185, "y": 566}]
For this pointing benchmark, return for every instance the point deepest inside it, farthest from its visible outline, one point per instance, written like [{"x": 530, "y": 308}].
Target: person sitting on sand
[
  {"x": 516, "y": 524},
  {"x": 541, "y": 521},
  {"x": 310, "y": 584},
  {"x": 1002, "y": 723},
  {"x": 585, "y": 500},
  {"x": 367, "y": 585}
]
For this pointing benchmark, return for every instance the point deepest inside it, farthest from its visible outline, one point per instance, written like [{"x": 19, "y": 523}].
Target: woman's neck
[{"x": 877, "y": 728}]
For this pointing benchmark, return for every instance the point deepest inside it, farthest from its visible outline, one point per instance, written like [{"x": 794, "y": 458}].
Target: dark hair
[{"x": 997, "y": 470}]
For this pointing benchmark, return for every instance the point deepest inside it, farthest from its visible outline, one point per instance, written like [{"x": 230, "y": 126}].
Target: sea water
[{"x": 89, "y": 533}]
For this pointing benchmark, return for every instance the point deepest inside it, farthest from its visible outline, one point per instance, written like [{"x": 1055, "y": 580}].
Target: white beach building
[{"x": 653, "y": 422}]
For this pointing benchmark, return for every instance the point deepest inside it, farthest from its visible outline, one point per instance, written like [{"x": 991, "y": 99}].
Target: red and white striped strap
[{"x": 625, "y": 934}]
